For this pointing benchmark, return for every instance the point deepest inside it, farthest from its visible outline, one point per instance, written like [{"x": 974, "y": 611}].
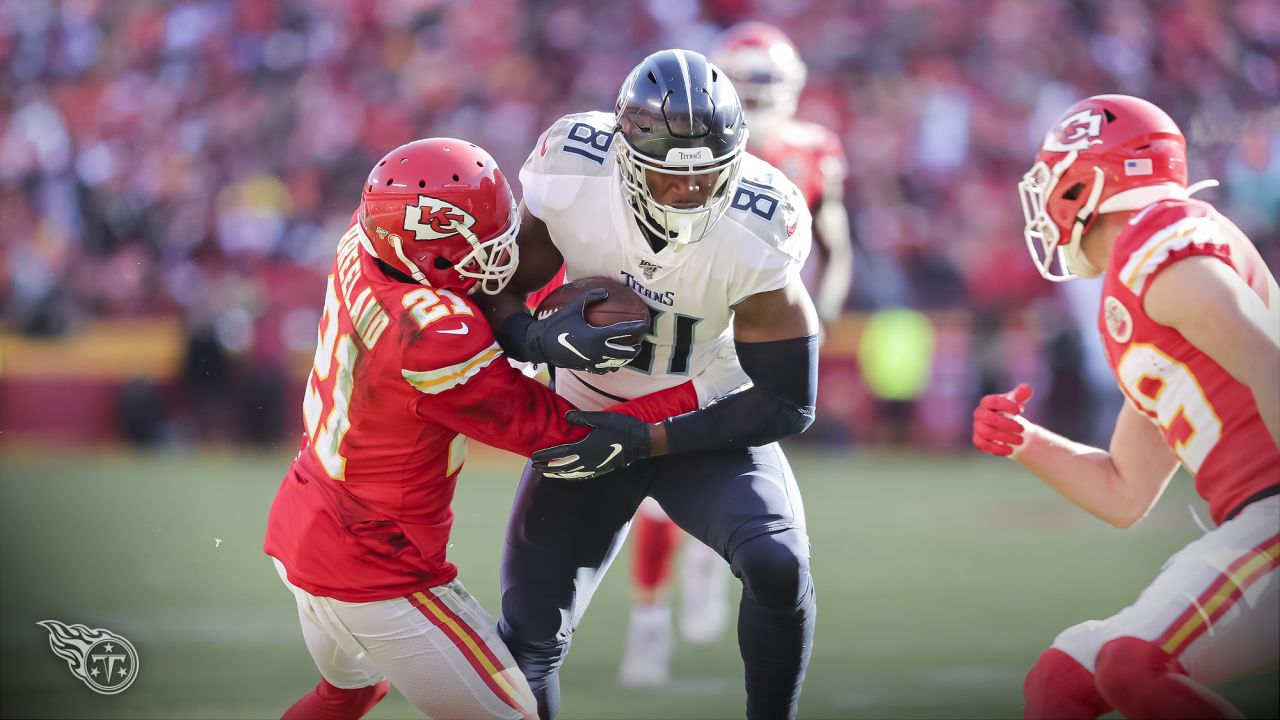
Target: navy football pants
[{"x": 742, "y": 503}]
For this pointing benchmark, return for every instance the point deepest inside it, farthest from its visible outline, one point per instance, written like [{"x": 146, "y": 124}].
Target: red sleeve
[
  {"x": 658, "y": 406},
  {"x": 534, "y": 300},
  {"x": 501, "y": 407}
]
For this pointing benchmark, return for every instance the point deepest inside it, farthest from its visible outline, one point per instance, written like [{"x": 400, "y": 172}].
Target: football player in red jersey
[
  {"x": 1190, "y": 319},
  {"x": 406, "y": 370},
  {"x": 768, "y": 74}
]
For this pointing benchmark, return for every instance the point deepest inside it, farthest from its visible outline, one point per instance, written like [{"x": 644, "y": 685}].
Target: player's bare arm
[
  {"x": 1119, "y": 486},
  {"x": 564, "y": 339},
  {"x": 539, "y": 261},
  {"x": 1227, "y": 321},
  {"x": 775, "y": 336},
  {"x": 831, "y": 233}
]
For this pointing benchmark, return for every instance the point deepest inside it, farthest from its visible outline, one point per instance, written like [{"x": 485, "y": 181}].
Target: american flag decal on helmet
[{"x": 1137, "y": 166}]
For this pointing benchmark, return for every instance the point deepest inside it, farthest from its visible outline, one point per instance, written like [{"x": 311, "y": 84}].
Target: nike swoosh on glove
[
  {"x": 565, "y": 338},
  {"x": 615, "y": 441},
  {"x": 998, "y": 427}
]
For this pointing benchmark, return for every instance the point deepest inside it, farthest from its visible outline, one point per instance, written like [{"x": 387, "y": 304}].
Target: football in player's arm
[
  {"x": 1190, "y": 321},
  {"x": 406, "y": 369},
  {"x": 662, "y": 196},
  {"x": 775, "y": 335}
]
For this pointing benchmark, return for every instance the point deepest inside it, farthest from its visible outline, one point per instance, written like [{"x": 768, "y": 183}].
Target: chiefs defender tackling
[
  {"x": 1190, "y": 319},
  {"x": 768, "y": 73},
  {"x": 406, "y": 369}
]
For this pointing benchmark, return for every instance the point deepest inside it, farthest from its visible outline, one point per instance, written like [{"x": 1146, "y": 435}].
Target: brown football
[{"x": 622, "y": 305}]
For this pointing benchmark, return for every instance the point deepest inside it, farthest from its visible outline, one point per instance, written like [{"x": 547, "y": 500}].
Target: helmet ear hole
[
  {"x": 1111, "y": 117},
  {"x": 442, "y": 263},
  {"x": 1073, "y": 192}
]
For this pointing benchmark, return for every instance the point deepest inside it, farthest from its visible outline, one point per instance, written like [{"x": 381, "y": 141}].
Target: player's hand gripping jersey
[
  {"x": 1208, "y": 418},
  {"x": 570, "y": 183},
  {"x": 403, "y": 375}
]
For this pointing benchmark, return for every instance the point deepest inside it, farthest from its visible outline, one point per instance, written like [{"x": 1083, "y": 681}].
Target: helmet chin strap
[
  {"x": 414, "y": 272},
  {"x": 1073, "y": 253},
  {"x": 684, "y": 232}
]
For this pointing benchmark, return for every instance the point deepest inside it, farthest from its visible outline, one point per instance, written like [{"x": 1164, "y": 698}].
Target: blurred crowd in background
[{"x": 198, "y": 160}]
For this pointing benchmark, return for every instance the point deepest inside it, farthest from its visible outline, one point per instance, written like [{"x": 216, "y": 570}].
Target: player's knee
[
  {"x": 352, "y": 702},
  {"x": 775, "y": 568},
  {"x": 529, "y": 633},
  {"x": 1055, "y": 677},
  {"x": 1125, "y": 663}
]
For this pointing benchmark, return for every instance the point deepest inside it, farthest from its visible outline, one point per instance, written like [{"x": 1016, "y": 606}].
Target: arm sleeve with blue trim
[{"x": 779, "y": 404}]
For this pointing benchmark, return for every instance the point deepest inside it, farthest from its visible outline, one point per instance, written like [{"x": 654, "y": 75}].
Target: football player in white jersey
[
  {"x": 663, "y": 196},
  {"x": 768, "y": 73}
]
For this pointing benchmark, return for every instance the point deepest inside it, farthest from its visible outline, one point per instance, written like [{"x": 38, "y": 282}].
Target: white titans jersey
[{"x": 572, "y": 184}]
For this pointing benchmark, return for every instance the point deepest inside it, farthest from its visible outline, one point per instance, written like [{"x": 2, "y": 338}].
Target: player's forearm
[
  {"x": 1083, "y": 474},
  {"x": 658, "y": 406},
  {"x": 779, "y": 404},
  {"x": 1089, "y": 477},
  {"x": 501, "y": 308},
  {"x": 502, "y": 408},
  {"x": 1264, "y": 381},
  {"x": 831, "y": 228}
]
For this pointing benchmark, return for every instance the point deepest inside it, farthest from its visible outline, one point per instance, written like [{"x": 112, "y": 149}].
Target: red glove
[{"x": 997, "y": 429}]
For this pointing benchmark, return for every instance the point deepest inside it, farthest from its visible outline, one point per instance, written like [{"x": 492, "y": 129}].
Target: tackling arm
[
  {"x": 776, "y": 339},
  {"x": 539, "y": 261},
  {"x": 501, "y": 407},
  {"x": 565, "y": 339},
  {"x": 1227, "y": 321}
]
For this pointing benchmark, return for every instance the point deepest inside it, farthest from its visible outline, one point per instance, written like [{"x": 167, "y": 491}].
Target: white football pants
[
  {"x": 1215, "y": 605},
  {"x": 438, "y": 647}
]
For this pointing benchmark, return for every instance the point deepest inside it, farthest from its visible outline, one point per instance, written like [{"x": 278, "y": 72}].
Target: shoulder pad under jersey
[
  {"x": 447, "y": 340},
  {"x": 1162, "y": 233},
  {"x": 772, "y": 209},
  {"x": 577, "y": 144},
  {"x": 575, "y": 149}
]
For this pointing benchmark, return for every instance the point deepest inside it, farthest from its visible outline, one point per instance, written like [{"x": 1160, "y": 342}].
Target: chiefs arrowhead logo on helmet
[
  {"x": 435, "y": 219},
  {"x": 1075, "y": 132},
  {"x": 440, "y": 211}
]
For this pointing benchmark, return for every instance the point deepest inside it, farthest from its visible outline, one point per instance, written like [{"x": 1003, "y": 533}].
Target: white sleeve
[
  {"x": 782, "y": 250},
  {"x": 575, "y": 147},
  {"x": 722, "y": 376}
]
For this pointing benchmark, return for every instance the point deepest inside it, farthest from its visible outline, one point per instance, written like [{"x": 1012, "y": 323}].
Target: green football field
[{"x": 940, "y": 579}]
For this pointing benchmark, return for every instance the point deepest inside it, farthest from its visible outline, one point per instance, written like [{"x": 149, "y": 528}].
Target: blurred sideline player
[
  {"x": 1190, "y": 320},
  {"x": 406, "y": 369},
  {"x": 768, "y": 74},
  {"x": 662, "y": 195}
]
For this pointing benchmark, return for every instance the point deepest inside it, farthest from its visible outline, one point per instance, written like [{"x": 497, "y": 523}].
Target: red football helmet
[
  {"x": 441, "y": 211},
  {"x": 766, "y": 70},
  {"x": 1108, "y": 153}
]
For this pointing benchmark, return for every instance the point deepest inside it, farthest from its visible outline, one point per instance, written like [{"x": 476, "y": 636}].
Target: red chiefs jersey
[
  {"x": 403, "y": 375},
  {"x": 1209, "y": 419},
  {"x": 809, "y": 155}
]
